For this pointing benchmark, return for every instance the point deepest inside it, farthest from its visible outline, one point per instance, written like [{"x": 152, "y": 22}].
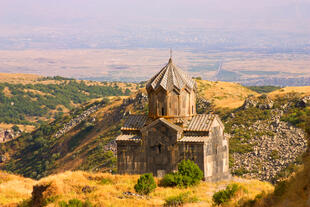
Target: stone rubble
[
  {"x": 264, "y": 102},
  {"x": 8, "y": 134},
  {"x": 304, "y": 102},
  {"x": 278, "y": 146},
  {"x": 77, "y": 120},
  {"x": 203, "y": 105}
]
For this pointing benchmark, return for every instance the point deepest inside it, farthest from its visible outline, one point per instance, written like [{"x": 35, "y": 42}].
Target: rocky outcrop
[
  {"x": 203, "y": 105},
  {"x": 304, "y": 102},
  {"x": 274, "y": 144},
  {"x": 140, "y": 101},
  {"x": 111, "y": 146},
  {"x": 77, "y": 120},
  {"x": 3, "y": 158},
  {"x": 262, "y": 102},
  {"x": 248, "y": 103},
  {"x": 8, "y": 134}
]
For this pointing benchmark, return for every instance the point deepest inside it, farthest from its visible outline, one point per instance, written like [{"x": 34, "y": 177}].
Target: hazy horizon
[{"x": 174, "y": 23}]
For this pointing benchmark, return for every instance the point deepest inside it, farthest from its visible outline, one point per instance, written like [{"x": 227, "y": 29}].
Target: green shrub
[
  {"x": 25, "y": 203},
  {"x": 105, "y": 181},
  {"x": 280, "y": 188},
  {"x": 240, "y": 171},
  {"x": 146, "y": 184},
  {"x": 172, "y": 179},
  {"x": 15, "y": 128},
  {"x": 75, "y": 203},
  {"x": 180, "y": 199},
  {"x": 223, "y": 196},
  {"x": 264, "y": 89},
  {"x": 188, "y": 174}
]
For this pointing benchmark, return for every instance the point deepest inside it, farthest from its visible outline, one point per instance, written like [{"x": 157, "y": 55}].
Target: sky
[
  {"x": 160, "y": 23},
  {"x": 166, "y": 12}
]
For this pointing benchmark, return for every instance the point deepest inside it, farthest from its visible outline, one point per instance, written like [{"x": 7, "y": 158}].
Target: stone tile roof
[
  {"x": 171, "y": 77},
  {"x": 200, "y": 122},
  {"x": 194, "y": 139},
  {"x": 134, "y": 122},
  {"x": 128, "y": 137}
]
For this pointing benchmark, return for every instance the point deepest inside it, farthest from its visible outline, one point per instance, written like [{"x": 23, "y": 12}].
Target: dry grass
[
  {"x": 303, "y": 90},
  {"x": 26, "y": 128},
  {"x": 69, "y": 185},
  {"x": 14, "y": 189},
  {"x": 296, "y": 193},
  {"x": 18, "y": 77},
  {"x": 224, "y": 94}
]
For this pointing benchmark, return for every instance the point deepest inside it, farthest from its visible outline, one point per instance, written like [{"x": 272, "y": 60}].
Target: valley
[
  {"x": 256, "y": 124},
  {"x": 135, "y": 65}
]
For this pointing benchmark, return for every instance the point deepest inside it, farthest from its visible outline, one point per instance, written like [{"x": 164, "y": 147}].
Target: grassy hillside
[
  {"x": 103, "y": 189},
  {"x": 28, "y": 99},
  {"x": 223, "y": 94},
  {"x": 18, "y": 78},
  {"x": 87, "y": 146},
  {"x": 263, "y": 89},
  {"x": 303, "y": 90},
  {"x": 14, "y": 188}
]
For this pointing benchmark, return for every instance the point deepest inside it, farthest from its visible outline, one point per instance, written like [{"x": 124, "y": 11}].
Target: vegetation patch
[
  {"x": 188, "y": 174},
  {"x": 263, "y": 89},
  {"x": 75, "y": 203},
  {"x": 31, "y": 102},
  {"x": 224, "y": 196},
  {"x": 35, "y": 155},
  {"x": 180, "y": 199},
  {"x": 146, "y": 184}
]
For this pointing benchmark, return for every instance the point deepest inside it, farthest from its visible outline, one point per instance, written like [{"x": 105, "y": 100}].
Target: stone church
[{"x": 172, "y": 131}]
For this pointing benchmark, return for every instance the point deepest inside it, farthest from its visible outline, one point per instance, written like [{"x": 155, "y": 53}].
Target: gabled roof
[
  {"x": 134, "y": 122},
  {"x": 171, "y": 77},
  {"x": 166, "y": 122},
  {"x": 194, "y": 139},
  {"x": 201, "y": 122},
  {"x": 128, "y": 137}
]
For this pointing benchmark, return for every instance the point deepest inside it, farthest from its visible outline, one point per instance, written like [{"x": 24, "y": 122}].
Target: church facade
[{"x": 172, "y": 131}]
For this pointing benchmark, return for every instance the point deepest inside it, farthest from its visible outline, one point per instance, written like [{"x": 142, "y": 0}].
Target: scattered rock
[
  {"x": 129, "y": 194},
  {"x": 77, "y": 120},
  {"x": 88, "y": 189},
  {"x": 3, "y": 158},
  {"x": 203, "y": 105},
  {"x": 304, "y": 102},
  {"x": 275, "y": 146},
  {"x": 8, "y": 134}
]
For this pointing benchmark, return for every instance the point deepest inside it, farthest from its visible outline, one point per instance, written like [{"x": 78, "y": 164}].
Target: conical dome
[
  {"x": 171, "y": 93},
  {"x": 171, "y": 77}
]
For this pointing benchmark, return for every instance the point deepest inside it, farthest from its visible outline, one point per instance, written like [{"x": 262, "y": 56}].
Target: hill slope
[
  {"x": 303, "y": 90},
  {"x": 26, "y": 100},
  {"x": 103, "y": 189},
  {"x": 224, "y": 94},
  {"x": 79, "y": 141}
]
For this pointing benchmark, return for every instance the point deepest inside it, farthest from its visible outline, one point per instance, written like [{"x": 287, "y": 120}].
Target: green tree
[
  {"x": 146, "y": 184},
  {"x": 15, "y": 128},
  {"x": 188, "y": 174}
]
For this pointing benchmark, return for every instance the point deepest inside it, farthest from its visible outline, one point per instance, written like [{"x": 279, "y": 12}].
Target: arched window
[
  {"x": 159, "y": 148},
  {"x": 162, "y": 111}
]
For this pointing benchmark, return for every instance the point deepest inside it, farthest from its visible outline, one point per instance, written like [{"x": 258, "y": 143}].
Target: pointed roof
[{"x": 171, "y": 77}]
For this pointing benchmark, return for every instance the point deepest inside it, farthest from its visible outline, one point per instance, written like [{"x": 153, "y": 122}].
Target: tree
[
  {"x": 146, "y": 184},
  {"x": 188, "y": 174},
  {"x": 15, "y": 128}
]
